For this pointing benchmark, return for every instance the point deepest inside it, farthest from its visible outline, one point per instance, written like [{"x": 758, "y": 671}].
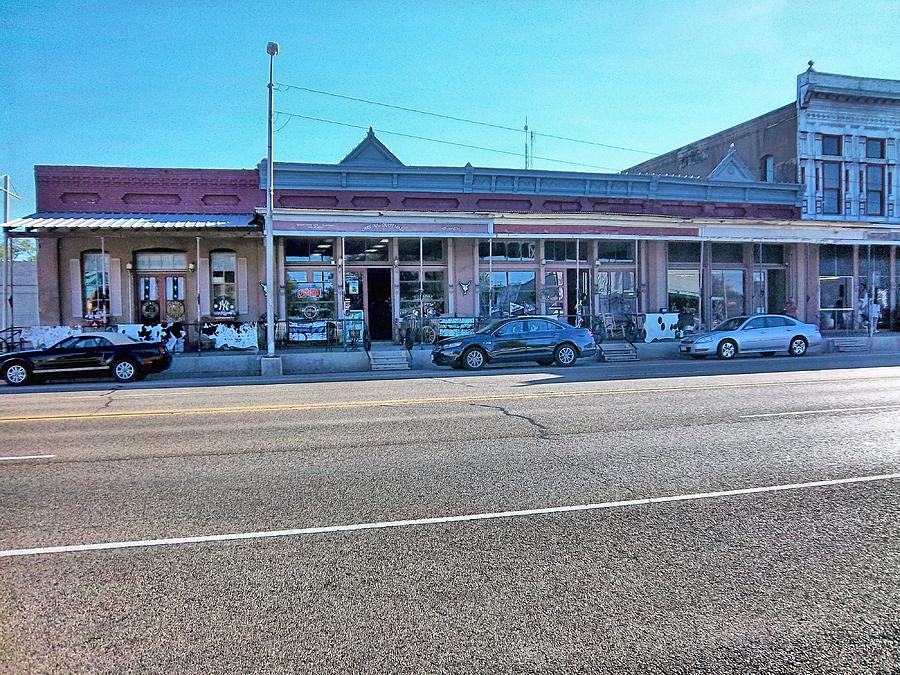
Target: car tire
[
  {"x": 125, "y": 371},
  {"x": 799, "y": 345},
  {"x": 768, "y": 354},
  {"x": 565, "y": 355},
  {"x": 544, "y": 362},
  {"x": 727, "y": 350},
  {"x": 474, "y": 358},
  {"x": 17, "y": 374}
]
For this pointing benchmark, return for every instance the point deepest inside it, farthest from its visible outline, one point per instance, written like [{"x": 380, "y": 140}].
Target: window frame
[
  {"x": 103, "y": 290},
  {"x": 213, "y": 284}
]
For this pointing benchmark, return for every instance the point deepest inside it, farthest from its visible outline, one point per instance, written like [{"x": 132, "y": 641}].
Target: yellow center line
[{"x": 390, "y": 403}]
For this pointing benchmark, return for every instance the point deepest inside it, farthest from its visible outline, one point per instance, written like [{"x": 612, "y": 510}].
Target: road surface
[{"x": 505, "y": 522}]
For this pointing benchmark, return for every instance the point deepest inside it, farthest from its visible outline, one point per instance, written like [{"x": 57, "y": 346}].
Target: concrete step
[
  {"x": 851, "y": 344},
  {"x": 617, "y": 351},
  {"x": 388, "y": 360}
]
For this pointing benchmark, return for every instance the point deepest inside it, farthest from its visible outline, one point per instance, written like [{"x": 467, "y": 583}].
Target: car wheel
[
  {"x": 767, "y": 354},
  {"x": 16, "y": 374},
  {"x": 473, "y": 359},
  {"x": 728, "y": 349},
  {"x": 798, "y": 346},
  {"x": 565, "y": 355},
  {"x": 125, "y": 371},
  {"x": 699, "y": 357},
  {"x": 544, "y": 362}
]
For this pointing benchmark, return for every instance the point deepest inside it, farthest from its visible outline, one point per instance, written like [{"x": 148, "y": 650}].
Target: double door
[{"x": 160, "y": 297}]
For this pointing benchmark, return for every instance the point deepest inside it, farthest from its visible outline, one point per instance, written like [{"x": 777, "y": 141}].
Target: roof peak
[
  {"x": 732, "y": 169},
  {"x": 371, "y": 152}
]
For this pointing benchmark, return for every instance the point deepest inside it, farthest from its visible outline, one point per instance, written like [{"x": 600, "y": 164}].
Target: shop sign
[
  {"x": 456, "y": 326},
  {"x": 311, "y": 292},
  {"x": 448, "y": 228},
  {"x": 353, "y": 286}
]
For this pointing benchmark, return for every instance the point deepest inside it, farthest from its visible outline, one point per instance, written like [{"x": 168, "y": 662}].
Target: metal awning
[{"x": 47, "y": 222}]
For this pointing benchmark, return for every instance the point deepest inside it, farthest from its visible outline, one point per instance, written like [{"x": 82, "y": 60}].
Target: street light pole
[
  {"x": 7, "y": 263},
  {"x": 272, "y": 50}
]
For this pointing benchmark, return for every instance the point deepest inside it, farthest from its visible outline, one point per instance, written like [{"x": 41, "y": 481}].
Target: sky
[{"x": 183, "y": 84}]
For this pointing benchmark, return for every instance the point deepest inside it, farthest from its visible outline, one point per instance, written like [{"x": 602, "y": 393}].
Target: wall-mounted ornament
[{"x": 464, "y": 285}]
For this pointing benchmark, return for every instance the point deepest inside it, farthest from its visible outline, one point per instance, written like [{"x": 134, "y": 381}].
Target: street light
[{"x": 271, "y": 50}]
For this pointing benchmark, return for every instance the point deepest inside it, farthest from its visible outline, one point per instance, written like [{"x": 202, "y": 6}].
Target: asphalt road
[{"x": 267, "y": 527}]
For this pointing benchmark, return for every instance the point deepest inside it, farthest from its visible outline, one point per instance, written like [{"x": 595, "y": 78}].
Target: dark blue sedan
[{"x": 541, "y": 339}]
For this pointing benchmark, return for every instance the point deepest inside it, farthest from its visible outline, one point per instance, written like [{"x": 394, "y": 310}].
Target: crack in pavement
[
  {"x": 459, "y": 384},
  {"x": 108, "y": 395},
  {"x": 546, "y": 435}
]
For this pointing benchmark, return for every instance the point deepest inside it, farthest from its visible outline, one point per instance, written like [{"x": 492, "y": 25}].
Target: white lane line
[
  {"x": 11, "y": 553},
  {"x": 15, "y": 457},
  {"x": 872, "y": 408}
]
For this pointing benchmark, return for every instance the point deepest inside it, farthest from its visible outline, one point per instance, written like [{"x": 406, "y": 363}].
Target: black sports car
[
  {"x": 533, "y": 338},
  {"x": 94, "y": 354}
]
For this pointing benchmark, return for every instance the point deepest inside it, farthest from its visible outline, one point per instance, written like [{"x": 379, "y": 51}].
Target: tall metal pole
[
  {"x": 7, "y": 263},
  {"x": 272, "y": 50}
]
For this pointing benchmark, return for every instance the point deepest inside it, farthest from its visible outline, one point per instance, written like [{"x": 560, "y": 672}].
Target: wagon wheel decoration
[
  {"x": 429, "y": 335},
  {"x": 175, "y": 310},
  {"x": 150, "y": 309}
]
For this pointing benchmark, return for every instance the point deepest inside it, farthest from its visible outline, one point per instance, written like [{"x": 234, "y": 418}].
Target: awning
[{"x": 47, "y": 222}]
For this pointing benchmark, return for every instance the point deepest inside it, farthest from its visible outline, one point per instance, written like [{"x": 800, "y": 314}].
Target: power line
[
  {"x": 437, "y": 140},
  {"x": 286, "y": 87}
]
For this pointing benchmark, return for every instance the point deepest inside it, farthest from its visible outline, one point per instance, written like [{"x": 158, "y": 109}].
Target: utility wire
[
  {"x": 438, "y": 140},
  {"x": 286, "y": 87}
]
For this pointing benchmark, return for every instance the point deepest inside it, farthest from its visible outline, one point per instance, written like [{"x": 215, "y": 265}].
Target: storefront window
[
  {"x": 432, "y": 300},
  {"x": 615, "y": 251},
  {"x": 553, "y": 291},
  {"x": 772, "y": 254},
  {"x": 684, "y": 290},
  {"x": 223, "y": 267},
  {"x": 308, "y": 250},
  {"x": 507, "y": 294},
  {"x": 310, "y": 294},
  {"x": 432, "y": 250},
  {"x": 875, "y": 278},
  {"x": 509, "y": 251},
  {"x": 565, "y": 250},
  {"x": 835, "y": 302},
  {"x": 366, "y": 249},
  {"x": 95, "y": 285},
  {"x": 616, "y": 293},
  {"x": 835, "y": 260},
  {"x": 727, "y": 297}
]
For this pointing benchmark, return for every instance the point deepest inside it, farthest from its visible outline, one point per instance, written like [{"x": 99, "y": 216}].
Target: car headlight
[
  {"x": 705, "y": 338},
  {"x": 451, "y": 345}
]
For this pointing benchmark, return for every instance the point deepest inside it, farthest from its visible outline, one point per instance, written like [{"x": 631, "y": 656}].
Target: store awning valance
[{"x": 48, "y": 222}]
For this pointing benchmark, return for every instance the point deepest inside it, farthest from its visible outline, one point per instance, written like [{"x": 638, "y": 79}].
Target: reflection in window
[
  {"x": 366, "y": 249},
  {"x": 507, "y": 294},
  {"x": 684, "y": 252},
  {"x": 727, "y": 253},
  {"x": 611, "y": 251},
  {"x": 835, "y": 260},
  {"x": 616, "y": 293},
  {"x": 565, "y": 250},
  {"x": 432, "y": 298},
  {"x": 308, "y": 250},
  {"x": 835, "y": 302},
  {"x": 684, "y": 291},
  {"x": 95, "y": 285},
  {"x": 553, "y": 292},
  {"x": 223, "y": 273},
  {"x": 432, "y": 250},
  {"x": 727, "y": 298},
  {"x": 309, "y": 294},
  {"x": 510, "y": 251}
]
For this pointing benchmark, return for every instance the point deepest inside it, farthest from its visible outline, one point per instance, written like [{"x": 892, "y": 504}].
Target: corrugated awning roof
[{"x": 41, "y": 222}]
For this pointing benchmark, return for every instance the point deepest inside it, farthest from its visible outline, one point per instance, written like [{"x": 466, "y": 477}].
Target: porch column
[{"x": 451, "y": 276}]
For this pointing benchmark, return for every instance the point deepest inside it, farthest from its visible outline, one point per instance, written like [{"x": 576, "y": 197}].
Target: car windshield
[{"x": 731, "y": 324}]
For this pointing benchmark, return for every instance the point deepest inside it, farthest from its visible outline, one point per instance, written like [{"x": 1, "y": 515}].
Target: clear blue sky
[{"x": 140, "y": 83}]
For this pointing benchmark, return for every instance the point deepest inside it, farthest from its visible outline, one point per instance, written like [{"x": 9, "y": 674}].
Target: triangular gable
[
  {"x": 371, "y": 152},
  {"x": 733, "y": 169}
]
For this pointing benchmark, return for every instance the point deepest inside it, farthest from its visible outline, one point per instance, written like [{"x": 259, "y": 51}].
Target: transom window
[
  {"x": 160, "y": 260},
  {"x": 510, "y": 251},
  {"x": 565, "y": 250},
  {"x": 367, "y": 249},
  {"x": 432, "y": 250},
  {"x": 308, "y": 250}
]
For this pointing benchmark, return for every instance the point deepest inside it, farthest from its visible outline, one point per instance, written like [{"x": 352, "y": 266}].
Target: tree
[{"x": 22, "y": 249}]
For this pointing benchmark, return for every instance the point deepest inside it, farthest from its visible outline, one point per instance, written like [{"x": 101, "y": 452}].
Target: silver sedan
[{"x": 767, "y": 334}]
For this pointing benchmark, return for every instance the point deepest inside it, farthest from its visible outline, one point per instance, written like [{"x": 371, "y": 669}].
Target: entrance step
[
  {"x": 617, "y": 351},
  {"x": 851, "y": 344},
  {"x": 389, "y": 360}
]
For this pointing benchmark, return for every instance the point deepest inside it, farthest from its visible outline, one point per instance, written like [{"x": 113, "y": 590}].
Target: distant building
[{"x": 839, "y": 140}]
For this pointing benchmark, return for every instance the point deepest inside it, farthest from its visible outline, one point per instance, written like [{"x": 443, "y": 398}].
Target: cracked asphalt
[{"x": 802, "y": 580}]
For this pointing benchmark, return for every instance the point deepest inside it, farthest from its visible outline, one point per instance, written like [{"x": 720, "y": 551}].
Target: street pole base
[{"x": 270, "y": 366}]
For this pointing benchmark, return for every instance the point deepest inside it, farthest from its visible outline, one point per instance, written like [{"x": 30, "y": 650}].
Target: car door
[
  {"x": 76, "y": 353},
  {"x": 754, "y": 335},
  {"x": 509, "y": 341},
  {"x": 781, "y": 330},
  {"x": 540, "y": 338}
]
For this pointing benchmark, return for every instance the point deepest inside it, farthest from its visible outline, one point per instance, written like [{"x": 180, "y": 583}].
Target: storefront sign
[
  {"x": 455, "y": 326},
  {"x": 449, "y": 228},
  {"x": 310, "y": 292}
]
